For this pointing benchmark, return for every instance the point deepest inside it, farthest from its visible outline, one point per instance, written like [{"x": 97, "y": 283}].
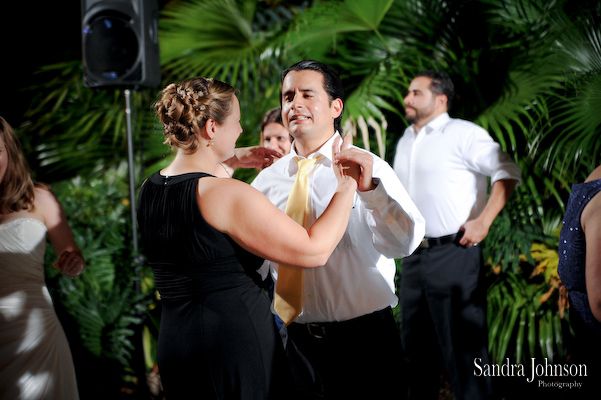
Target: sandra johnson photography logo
[{"x": 546, "y": 373}]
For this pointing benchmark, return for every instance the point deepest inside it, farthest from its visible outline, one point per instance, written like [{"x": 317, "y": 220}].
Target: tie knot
[{"x": 305, "y": 164}]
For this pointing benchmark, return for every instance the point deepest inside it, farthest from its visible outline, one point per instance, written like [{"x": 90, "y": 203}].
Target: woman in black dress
[
  {"x": 205, "y": 237},
  {"x": 580, "y": 271}
]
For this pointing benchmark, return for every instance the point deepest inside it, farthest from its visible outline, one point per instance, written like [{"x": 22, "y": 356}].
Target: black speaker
[{"x": 120, "y": 43}]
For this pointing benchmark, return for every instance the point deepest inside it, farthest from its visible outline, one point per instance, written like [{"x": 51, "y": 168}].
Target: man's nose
[{"x": 297, "y": 102}]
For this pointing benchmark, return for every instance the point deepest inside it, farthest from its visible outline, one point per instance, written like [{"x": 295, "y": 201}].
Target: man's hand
[{"x": 474, "y": 232}]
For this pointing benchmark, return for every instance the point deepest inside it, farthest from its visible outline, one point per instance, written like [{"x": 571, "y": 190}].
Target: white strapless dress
[{"x": 35, "y": 359}]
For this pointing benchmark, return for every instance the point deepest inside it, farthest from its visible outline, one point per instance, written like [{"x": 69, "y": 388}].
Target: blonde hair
[
  {"x": 185, "y": 108},
  {"x": 17, "y": 187}
]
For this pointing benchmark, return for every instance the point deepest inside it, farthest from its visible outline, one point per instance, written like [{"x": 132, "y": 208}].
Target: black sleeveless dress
[
  {"x": 218, "y": 338},
  {"x": 572, "y": 254}
]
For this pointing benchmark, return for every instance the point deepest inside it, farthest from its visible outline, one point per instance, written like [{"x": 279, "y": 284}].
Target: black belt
[
  {"x": 431, "y": 242},
  {"x": 320, "y": 330}
]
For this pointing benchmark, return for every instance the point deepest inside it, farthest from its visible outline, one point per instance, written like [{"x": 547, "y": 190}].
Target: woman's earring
[{"x": 211, "y": 143}]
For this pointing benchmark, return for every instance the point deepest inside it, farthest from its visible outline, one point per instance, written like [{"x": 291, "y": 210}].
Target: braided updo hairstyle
[{"x": 185, "y": 108}]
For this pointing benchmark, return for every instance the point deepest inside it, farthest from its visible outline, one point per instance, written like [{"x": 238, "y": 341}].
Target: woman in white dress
[{"x": 35, "y": 359}]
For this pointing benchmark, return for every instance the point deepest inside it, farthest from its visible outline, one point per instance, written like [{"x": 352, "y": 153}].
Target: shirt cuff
[
  {"x": 377, "y": 198},
  {"x": 387, "y": 210},
  {"x": 506, "y": 175}
]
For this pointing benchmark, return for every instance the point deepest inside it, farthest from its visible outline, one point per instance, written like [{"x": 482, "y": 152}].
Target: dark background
[{"x": 34, "y": 34}]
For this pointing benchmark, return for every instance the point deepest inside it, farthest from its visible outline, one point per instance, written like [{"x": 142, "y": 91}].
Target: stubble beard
[{"x": 412, "y": 119}]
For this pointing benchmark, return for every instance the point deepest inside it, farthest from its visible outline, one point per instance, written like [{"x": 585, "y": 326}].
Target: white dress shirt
[
  {"x": 445, "y": 168},
  {"x": 358, "y": 278}
]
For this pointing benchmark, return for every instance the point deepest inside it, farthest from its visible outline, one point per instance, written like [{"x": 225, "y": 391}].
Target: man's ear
[
  {"x": 442, "y": 100},
  {"x": 337, "y": 106}
]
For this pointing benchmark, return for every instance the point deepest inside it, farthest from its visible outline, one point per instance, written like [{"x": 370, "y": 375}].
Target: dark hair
[
  {"x": 273, "y": 115},
  {"x": 331, "y": 83},
  {"x": 185, "y": 108},
  {"x": 441, "y": 84},
  {"x": 16, "y": 187}
]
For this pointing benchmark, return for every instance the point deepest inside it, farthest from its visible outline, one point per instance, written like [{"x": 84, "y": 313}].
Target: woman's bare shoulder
[
  {"x": 596, "y": 174},
  {"x": 44, "y": 196}
]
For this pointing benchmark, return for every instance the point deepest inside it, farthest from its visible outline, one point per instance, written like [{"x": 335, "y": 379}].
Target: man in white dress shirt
[
  {"x": 346, "y": 328},
  {"x": 444, "y": 163}
]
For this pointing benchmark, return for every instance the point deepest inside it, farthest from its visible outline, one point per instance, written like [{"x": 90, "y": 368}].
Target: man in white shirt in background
[
  {"x": 444, "y": 163},
  {"x": 346, "y": 328}
]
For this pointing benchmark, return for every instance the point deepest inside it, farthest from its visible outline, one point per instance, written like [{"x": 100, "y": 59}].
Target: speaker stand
[{"x": 132, "y": 189}]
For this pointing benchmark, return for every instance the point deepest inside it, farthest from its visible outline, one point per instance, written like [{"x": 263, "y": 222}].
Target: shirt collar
[
  {"x": 436, "y": 124},
  {"x": 325, "y": 151}
]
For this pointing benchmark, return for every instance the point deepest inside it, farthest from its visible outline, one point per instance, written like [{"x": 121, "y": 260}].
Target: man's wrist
[{"x": 375, "y": 182}]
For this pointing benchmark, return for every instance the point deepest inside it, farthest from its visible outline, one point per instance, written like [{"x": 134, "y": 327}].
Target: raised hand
[
  {"x": 357, "y": 164},
  {"x": 344, "y": 170}
]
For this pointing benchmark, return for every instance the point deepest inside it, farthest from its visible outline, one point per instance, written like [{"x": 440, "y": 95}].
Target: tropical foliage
[
  {"x": 529, "y": 71},
  {"x": 100, "y": 309}
]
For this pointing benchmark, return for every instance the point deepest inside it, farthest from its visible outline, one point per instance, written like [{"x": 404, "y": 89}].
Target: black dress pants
[
  {"x": 356, "y": 359},
  {"x": 443, "y": 307}
]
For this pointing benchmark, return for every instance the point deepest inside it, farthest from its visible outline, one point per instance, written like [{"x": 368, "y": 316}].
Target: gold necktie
[{"x": 288, "y": 299}]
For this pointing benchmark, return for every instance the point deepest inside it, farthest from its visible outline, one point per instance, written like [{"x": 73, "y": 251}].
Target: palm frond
[
  {"x": 72, "y": 129},
  {"x": 216, "y": 38},
  {"x": 572, "y": 136},
  {"x": 522, "y": 105}
]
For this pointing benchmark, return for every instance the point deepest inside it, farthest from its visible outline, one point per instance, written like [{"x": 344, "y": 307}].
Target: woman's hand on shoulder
[{"x": 253, "y": 157}]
